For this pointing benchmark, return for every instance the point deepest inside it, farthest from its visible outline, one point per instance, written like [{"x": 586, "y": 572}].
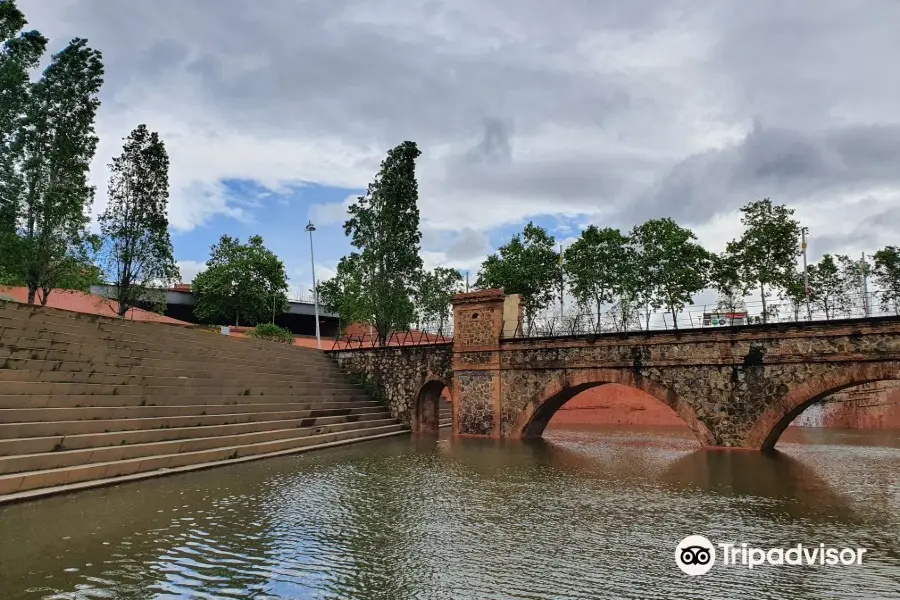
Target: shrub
[{"x": 271, "y": 332}]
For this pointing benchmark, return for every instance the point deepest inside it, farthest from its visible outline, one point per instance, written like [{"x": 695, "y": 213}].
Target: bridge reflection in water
[{"x": 580, "y": 514}]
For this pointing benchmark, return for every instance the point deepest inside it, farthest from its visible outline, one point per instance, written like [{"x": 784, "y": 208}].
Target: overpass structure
[
  {"x": 736, "y": 387},
  {"x": 298, "y": 319}
]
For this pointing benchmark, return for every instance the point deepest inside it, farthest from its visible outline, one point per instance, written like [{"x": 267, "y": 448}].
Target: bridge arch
[
  {"x": 775, "y": 419},
  {"x": 536, "y": 415},
  {"x": 425, "y": 415}
]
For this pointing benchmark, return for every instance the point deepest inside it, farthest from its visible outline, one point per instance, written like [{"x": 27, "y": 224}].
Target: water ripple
[{"x": 579, "y": 516}]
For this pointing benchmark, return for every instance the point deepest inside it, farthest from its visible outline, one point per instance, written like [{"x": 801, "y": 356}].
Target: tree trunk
[
  {"x": 32, "y": 291},
  {"x": 762, "y": 296},
  {"x": 674, "y": 319}
]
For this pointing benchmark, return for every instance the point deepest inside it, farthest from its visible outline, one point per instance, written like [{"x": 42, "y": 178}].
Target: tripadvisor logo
[{"x": 696, "y": 555}]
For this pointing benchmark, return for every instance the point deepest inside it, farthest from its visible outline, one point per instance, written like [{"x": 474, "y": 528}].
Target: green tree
[
  {"x": 240, "y": 282},
  {"x": 384, "y": 228},
  {"x": 828, "y": 286},
  {"x": 19, "y": 53},
  {"x": 674, "y": 267},
  {"x": 795, "y": 294},
  {"x": 528, "y": 265},
  {"x": 768, "y": 249},
  {"x": 597, "y": 268},
  {"x": 345, "y": 295},
  {"x": 135, "y": 226},
  {"x": 435, "y": 290},
  {"x": 887, "y": 277},
  {"x": 47, "y": 190},
  {"x": 725, "y": 278}
]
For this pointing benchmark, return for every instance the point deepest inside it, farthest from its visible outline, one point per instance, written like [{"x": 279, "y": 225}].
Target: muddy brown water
[{"x": 584, "y": 513}]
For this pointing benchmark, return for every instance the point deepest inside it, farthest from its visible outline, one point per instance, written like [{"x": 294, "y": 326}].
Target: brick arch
[
  {"x": 426, "y": 407},
  {"x": 771, "y": 424},
  {"x": 535, "y": 416}
]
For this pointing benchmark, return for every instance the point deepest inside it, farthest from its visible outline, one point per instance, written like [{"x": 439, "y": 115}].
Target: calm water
[{"x": 582, "y": 514}]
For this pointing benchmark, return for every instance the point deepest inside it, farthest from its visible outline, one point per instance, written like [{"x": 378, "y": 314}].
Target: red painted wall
[
  {"x": 876, "y": 406},
  {"x": 615, "y": 404}
]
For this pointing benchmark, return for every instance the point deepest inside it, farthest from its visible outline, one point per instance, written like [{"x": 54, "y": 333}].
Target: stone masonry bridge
[{"x": 733, "y": 387}]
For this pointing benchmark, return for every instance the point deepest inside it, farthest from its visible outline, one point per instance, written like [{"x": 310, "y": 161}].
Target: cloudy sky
[{"x": 566, "y": 113}]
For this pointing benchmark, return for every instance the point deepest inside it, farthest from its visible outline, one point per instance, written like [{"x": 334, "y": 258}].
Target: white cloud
[
  {"x": 332, "y": 213},
  {"x": 189, "y": 269}
]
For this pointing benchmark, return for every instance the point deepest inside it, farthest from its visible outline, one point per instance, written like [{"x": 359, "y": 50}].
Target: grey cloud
[
  {"x": 790, "y": 166},
  {"x": 635, "y": 94},
  {"x": 468, "y": 244},
  {"x": 495, "y": 146}
]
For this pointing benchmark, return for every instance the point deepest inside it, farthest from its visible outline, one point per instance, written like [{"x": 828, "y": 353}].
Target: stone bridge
[{"x": 733, "y": 387}]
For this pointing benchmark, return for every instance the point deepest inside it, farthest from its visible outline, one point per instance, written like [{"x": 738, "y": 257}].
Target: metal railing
[
  {"x": 706, "y": 316},
  {"x": 305, "y": 298},
  {"x": 418, "y": 335}
]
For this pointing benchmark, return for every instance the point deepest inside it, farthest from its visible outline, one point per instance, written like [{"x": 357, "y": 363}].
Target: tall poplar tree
[
  {"x": 135, "y": 227},
  {"x": 20, "y": 51},
  {"x": 384, "y": 228},
  {"x": 49, "y": 194}
]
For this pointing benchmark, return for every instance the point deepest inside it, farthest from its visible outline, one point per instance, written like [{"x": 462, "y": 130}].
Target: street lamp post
[
  {"x": 312, "y": 257},
  {"x": 803, "y": 232}
]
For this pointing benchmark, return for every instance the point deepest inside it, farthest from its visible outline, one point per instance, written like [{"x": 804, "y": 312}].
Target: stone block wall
[{"x": 398, "y": 374}]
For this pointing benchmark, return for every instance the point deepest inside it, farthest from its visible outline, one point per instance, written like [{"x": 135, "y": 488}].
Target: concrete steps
[
  {"x": 193, "y": 407},
  {"x": 27, "y": 429},
  {"x": 12, "y": 485},
  {"x": 88, "y": 400},
  {"x": 445, "y": 414}
]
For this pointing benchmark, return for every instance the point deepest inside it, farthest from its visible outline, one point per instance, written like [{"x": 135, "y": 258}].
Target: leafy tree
[
  {"x": 384, "y": 228},
  {"x": 19, "y": 53},
  {"x": 725, "y": 278},
  {"x": 828, "y": 286},
  {"x": 241, "y": 281},
  {"x": 887, "y": 277},
  {"x": 855, "y": 273},
  {"x": 767, "y": 251},
  {"x": 435, "y": 290},
  {"x": 135, "y": 226},
  {"x": 597, "y": 266},
  {"x": 528, "y": 265},
  {"x": 46, "y": 189},
  {"x": 795, "y": 294},
  {"x": 345, "y": 295},
  {"x": 673, "y": 266}
]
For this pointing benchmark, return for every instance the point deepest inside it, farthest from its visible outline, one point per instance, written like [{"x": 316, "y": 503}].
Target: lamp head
[{"x": 310, "y": 227}]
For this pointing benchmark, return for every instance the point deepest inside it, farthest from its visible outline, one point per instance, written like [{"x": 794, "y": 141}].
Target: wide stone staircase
[
  {"x": 445, "y": 413},
  {"x": 88, "y": 401}
]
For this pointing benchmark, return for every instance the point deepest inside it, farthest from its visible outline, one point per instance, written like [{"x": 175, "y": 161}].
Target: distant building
[
  {"x": 92, "y": 304},
  {"x": 299, "y": 319}
]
